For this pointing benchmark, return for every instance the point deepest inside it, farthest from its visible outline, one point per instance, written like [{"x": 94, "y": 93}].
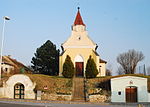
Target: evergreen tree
[
  {"x": 46, "y": 60},
  {"x": 68, "y": 68},
  {"x": 91, "y": 69}
]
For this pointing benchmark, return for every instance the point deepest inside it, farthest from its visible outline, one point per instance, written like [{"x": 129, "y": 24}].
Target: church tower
[{"x": 79, "y": 47}]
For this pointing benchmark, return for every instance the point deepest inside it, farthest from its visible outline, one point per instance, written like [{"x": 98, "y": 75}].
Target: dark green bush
[
  {"x": 68, "y": 68},
  {"x": 91, "y": 69}
]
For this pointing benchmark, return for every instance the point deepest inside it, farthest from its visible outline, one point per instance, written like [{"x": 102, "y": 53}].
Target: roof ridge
[{"x": 7, "y": 59}]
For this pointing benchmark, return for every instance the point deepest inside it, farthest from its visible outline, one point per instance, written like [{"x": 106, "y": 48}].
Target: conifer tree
[
  {"x": 46, "y": 60},
  {"x": 91, "y": 69},
  {"x": 68, "y": 68}
]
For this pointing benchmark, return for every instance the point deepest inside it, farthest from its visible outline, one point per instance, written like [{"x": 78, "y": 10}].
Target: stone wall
[
  {"x": 98, "y": 98},
  {"x": 2, "y": 92},
  {"x": 56, "y": 97}
]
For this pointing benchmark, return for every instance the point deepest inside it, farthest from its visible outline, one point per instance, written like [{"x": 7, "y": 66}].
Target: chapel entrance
[
  {"x": 79, "y": 69},
  {"x": 19, "y": 91},
  {"x": 131, "y": 94},
  {"x": 79, "y": 66}
]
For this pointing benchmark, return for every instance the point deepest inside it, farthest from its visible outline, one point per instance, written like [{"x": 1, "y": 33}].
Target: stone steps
[{"x": 78, "y": 89}]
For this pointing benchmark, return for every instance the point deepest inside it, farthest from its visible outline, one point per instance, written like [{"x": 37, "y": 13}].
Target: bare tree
[
  {"x": 129, "y": 60},
  {"x": 108, "y": 72},
  {"x": 120, "y": 71}
]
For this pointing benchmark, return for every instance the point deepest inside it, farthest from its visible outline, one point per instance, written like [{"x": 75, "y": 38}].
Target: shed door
[
  {"x": 131, "y": 94},
  {"x": 19, "y": 91}
]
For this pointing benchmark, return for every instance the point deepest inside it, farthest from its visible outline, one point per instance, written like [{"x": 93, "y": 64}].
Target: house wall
[
  {"x": 2, "y": 92},
  {"x": 8, "y": 67},
  {"x": 102, "y": 69},
  {"x": 121, "y": 83},
  {"x": 7, "y": 91},
  {"x": 148, "y": 97}
]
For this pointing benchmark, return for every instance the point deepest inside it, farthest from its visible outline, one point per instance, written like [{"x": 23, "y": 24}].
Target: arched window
[
  {"x": 19, "y": 91},
  {"x": 79, "y": 58}
]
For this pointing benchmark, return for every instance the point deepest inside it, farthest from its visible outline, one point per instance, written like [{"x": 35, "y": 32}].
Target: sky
[{"x": 115, "y": 25}]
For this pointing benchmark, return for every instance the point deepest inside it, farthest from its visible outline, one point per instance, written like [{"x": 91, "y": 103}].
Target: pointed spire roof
[{"x": 78, "y": 20}]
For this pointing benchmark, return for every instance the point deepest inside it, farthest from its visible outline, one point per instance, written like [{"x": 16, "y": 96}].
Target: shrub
[
  {"x": 91, "y": 69},
  {"x": 68, "y": 68}
]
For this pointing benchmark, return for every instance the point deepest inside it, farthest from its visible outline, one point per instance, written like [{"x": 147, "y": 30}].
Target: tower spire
[{"x": 78, "y": 19}]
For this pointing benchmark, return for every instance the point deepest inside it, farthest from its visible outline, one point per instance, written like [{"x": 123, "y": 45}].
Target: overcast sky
[{"x": 115, "y": 25}]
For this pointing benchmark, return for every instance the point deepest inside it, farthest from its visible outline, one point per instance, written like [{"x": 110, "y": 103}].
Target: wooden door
[
  {"x": 131, "y": 94},
  {"x": 79, "y": 69},
  {"x": 19, "y": 91}
]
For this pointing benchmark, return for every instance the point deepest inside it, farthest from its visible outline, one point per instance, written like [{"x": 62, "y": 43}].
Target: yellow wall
[
  {"x": 102, "y": 68},
  {"x": 73, "y": 52}
]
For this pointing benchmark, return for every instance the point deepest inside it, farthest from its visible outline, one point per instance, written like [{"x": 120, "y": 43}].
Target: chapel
[{"x": 80, "y": 47}]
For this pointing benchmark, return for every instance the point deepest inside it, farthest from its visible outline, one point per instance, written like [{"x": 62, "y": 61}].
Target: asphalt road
[
  {"x": 49, "y": 105},
  {"x": 17, "y": 105},
  {"x": 64, "y": 105}
]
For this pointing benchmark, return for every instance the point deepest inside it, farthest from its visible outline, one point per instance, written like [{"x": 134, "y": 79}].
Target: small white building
[
  {"x": 129, "y": 89},
  {"x": 18, "y": 86}
]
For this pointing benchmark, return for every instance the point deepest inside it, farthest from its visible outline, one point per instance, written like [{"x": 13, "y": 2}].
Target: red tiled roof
[
  {"x": 13, "y": 62},
  {"x": 78, "y": 20}
]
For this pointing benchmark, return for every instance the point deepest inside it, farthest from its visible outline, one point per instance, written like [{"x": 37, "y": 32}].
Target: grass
[
  {"x": 48, "y": 84},
  {"x": 51, "y": 84},
  {"x": 61, "y": 85}
]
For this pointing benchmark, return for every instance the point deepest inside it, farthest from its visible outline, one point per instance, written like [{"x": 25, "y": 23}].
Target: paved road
[
  {"x": 21, "y": 104},
  {"x": 17, "y": 105},
  {"x": 50, "y": 105}
]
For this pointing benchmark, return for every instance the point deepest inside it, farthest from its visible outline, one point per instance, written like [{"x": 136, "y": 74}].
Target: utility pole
[{"x": 2, "y": 43}]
